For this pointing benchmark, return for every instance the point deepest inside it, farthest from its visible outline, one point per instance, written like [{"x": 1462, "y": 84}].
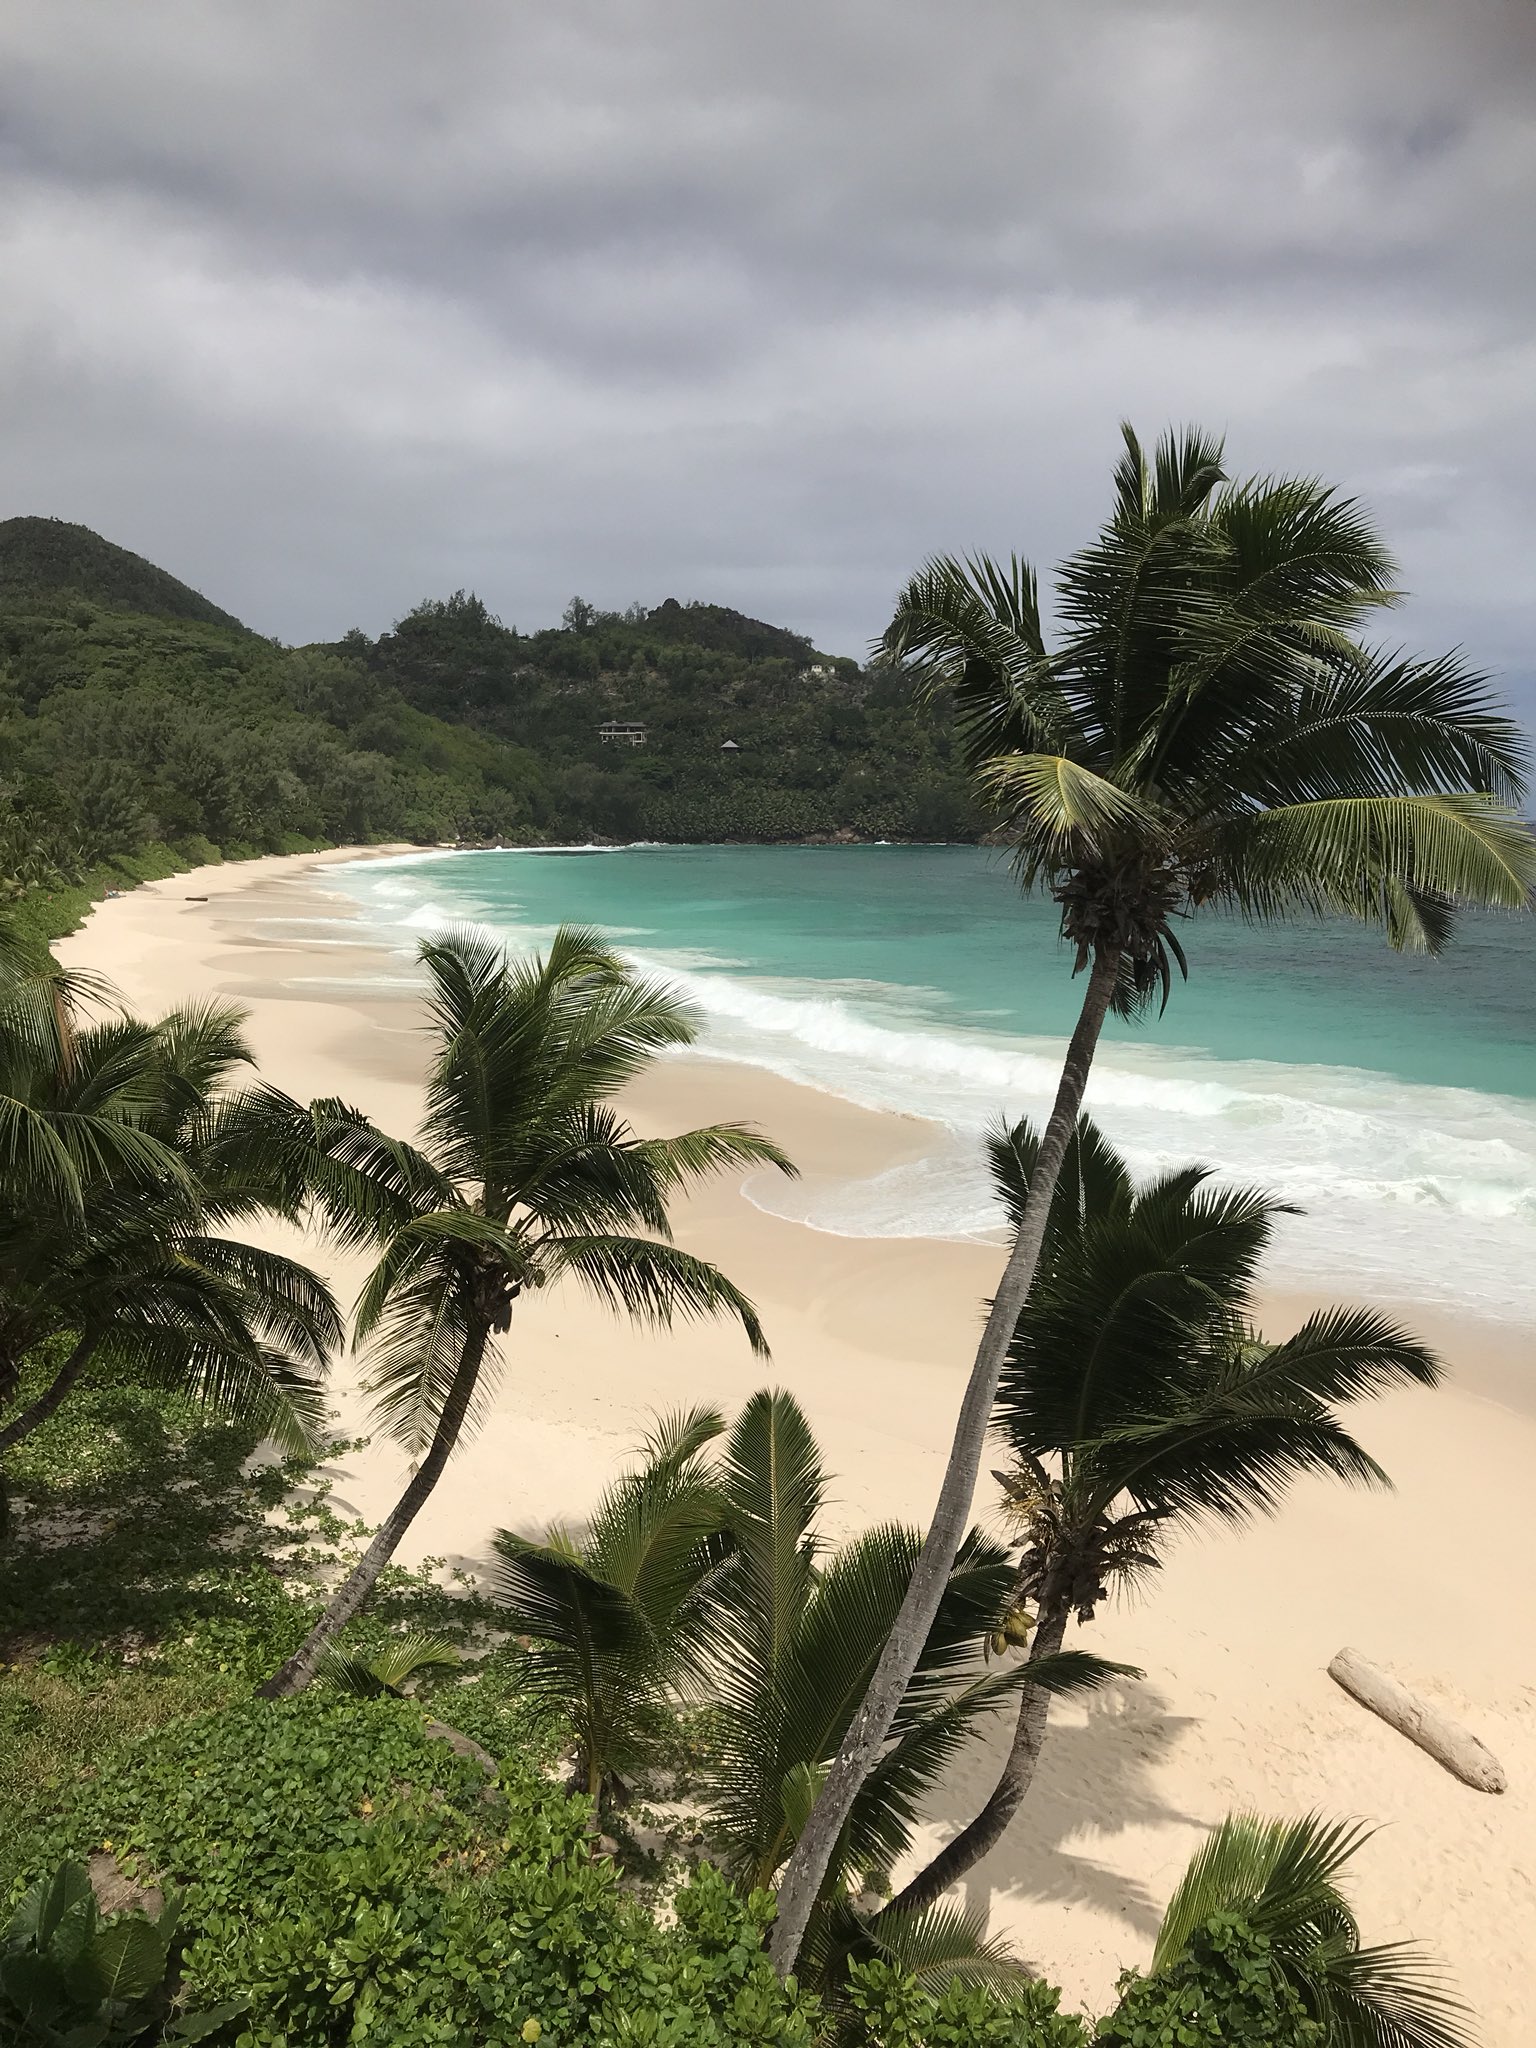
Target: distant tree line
[{"x": 135, "y": 714}]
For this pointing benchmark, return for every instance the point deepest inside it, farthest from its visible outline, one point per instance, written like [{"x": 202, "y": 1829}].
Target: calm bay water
[{"x": 1394, "y": 1098}]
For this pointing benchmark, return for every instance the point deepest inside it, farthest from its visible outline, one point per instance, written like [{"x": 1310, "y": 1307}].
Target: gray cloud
[{"x": 327, "y": 308}]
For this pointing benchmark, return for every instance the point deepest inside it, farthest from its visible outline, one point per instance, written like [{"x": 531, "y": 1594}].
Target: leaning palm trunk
[
  {"x": 525, "y": 1175},
  {"x": 807, "y": 1866},
  {"x": 299, "y": 1671},
  {"x": 989, "y": 1826},
  {"x": 53, "y": 1395}
]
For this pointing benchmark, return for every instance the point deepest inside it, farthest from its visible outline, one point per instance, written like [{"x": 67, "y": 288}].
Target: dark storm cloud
[{"x": 330, "y": 305}]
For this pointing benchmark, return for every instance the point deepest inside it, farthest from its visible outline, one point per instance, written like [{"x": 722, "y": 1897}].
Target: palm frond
[
  {"x": 839, "y": 1634},
  {"x": 1060, "y": 807},
  {"x": 1396, "y": 1995},
  {"x": 1224, "y": 1460},
  {"x": 364, "y": 1183},
  {"x": 774, "y": 1485},
  {"x": 582, "y": 1169},
  {"x": 942, "y": 1943},
  {"x": 1365, "y": 721},
  {"x": 676, "y": 1439},
  {"x": 1255, "y": 1416},
  {"x": 1281, "y": 1877},
  {"x": 243, "y": 1151},
  {"x": 416, "y": 1356},
  {"x": 522, "y": 1041},
  {"x": 658, "y": 1534},
  {"x": 606, "y": 1655},
  {"x": 564, "y": 1606},
  {"x": 1094, "y": 1181},
  {"x": 579, "y": 1167},
  {"x": 1355, "y": 855},
  {"x": 197, "y": 1047},
  {"x": 1340, "y": 1354},
  {"x": 246, "y": 1381},
  {"x": 1275, "y": 1873},
  {"x": 453, "y": 1243},
  {"x": 890, "y": 1802},
  {"x": 973, "y": 628},
  {"x": 1066, "y": 1673},
  {"x": 1126, "y": 1305},
  {"x": 35, "y": 1159},
  {"x": 653, "y": 1283},
  {"x": 282, "y": 1298},
  {"x": 676, "y": 1162},
  {"x": 367, "y": 1674}
]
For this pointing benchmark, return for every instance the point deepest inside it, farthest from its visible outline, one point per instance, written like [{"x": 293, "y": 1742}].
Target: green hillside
[
  {"x": 819, "y": 747},
  {"x": 139, "y": 722},
  {"x": 50, "y": 560}
]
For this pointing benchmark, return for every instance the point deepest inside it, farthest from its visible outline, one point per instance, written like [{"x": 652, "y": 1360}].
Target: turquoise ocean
[{"x": 1392, "y": 1098}]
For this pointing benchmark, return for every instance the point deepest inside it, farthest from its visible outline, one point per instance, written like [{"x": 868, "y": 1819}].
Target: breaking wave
[{"x": 1409, "y": 1190}]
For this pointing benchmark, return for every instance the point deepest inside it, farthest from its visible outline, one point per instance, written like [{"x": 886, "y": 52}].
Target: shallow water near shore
[{"x": 1392, "y": 1098}]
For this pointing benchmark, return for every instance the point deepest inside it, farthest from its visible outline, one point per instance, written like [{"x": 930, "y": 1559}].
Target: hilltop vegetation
[
  {"x": 822, "y": 748},
  {"x": 50, "y": 559},
  {"x": 136, "y": 718}
]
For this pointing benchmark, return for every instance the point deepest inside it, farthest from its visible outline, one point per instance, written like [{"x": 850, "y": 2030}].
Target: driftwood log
[{"x": 1446, "y": 1740}]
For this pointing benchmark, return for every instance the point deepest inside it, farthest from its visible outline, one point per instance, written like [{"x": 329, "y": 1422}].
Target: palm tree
[
  {"x": 1209, "y": 731},
  {"x": 620, "y": 1619},
  {"x": 1281, "y": 1878},
  {"x": 74, "y": 1100},
  {"x": 798, "y": 1632},
  {"x": 127, "y": 1258},
  {"x": 524, "y": 1176},
  {"x": 1137, "y": 1401}
]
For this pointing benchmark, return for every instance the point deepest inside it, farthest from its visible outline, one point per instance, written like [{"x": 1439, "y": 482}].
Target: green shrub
[
  {"x": 1227, "y": 1991},
  {"x": 71, "y": 1977},
  {"x": 357, "y": 1881},
  {"x": 895, "y": 2011}
]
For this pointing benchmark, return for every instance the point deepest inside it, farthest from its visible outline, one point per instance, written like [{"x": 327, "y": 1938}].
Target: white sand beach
[{"x": 1434, "y": 1581}]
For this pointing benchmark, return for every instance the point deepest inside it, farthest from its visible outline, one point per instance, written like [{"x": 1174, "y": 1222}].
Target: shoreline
[
  {"x": 1409, "y": 1159},
  {"x": 874, "y": 1336}
]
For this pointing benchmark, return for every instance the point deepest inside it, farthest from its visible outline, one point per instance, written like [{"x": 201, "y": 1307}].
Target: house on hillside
[
  {"x": 730, "y": 747},
  {"x": 622, "y": 732}
]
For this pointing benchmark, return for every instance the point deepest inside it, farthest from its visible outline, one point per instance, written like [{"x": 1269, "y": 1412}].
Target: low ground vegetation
[{"x": 341, "y": 1874}]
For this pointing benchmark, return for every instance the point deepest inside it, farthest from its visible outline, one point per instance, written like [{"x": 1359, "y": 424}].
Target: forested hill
[
  {"x": 48, "y": 559},
  {"x": 749, "y": 732},
  {"x": 135, "y": 714}
]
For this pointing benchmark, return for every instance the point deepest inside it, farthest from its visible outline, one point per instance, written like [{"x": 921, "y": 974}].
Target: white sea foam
[{"x": 1407, "y": 1190}]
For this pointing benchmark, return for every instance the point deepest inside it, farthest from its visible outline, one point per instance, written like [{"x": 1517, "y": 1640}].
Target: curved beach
[{"x": 874, "y": 1336}]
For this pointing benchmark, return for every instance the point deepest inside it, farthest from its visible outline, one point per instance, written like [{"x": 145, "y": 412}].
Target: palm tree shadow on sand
[{"x": 1096, "y": 1774}]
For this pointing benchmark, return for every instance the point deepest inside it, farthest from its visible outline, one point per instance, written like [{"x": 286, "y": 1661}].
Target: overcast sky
[{"x": 329, "y": 306}]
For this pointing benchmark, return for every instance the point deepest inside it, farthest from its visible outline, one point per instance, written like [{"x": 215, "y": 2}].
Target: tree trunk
[
  {"x": 807, "y": 1866},
  {"x": 349, "y": 1597},
  {"x": 64, "y": 1380},
  {"x": 989, "y": 1826}
]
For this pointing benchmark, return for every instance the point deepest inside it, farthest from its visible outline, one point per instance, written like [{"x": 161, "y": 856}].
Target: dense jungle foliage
[{"x": 139, "y": 721}]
